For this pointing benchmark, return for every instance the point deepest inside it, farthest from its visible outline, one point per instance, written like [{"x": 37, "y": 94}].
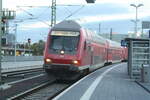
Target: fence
[{"x": 21, "y": 58}]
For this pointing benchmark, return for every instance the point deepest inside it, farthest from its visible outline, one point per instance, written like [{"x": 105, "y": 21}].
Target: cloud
[
  {"x": 115, "y": 17},
  {"x": 115, "y": 1},
  {"x": 13, "y": 3},
  {"x": 89, "y": 19},
  {"x": 33, "y": 26},
  {"x": 103, "y": 10}
]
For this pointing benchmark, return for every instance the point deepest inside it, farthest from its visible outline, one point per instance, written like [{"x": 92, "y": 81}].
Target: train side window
[
  {"x": 89, "y": 48},
  {"x": 110, "y": 51},
  {"x": 86, "y": 33}
]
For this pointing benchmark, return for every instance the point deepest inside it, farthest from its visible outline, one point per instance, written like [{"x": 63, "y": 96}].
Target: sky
[{"x": 115, "y": 14}]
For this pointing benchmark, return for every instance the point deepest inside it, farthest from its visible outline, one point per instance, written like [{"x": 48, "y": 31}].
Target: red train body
[{"x": 71, "y": 50}]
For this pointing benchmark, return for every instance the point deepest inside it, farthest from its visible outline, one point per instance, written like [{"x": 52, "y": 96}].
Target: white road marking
[
  {"x": 87, "y": 95},
  {"x": 65, "y": 91}
]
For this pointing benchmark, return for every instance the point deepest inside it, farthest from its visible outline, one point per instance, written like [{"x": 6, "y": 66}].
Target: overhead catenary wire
[
  {"x": 73, "y": 13},
  {"x": 12, "y": 27},
  {"x": 39, "y": 15},
  {"x": 70, "y": 15},
  {"x": 43, "y": 12},
  {"x": 30, "y": 14}
]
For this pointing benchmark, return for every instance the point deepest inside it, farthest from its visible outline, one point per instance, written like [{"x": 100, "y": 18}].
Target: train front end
[{"x": 62, "y": 53}]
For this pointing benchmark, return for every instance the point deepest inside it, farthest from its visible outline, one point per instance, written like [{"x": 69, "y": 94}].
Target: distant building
[
  {"x": 8, "y": 40},
  {"x": 146, "y": 34},
  {"x": 8, "y": 46},
  {"x": 140, "y": 34},
  {"x": 8, "y": 51}
]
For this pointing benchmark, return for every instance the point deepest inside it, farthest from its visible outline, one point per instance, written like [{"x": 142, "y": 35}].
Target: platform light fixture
[
  {"x": 136, "y": 17},
  {"x": 90, "y": 1}
]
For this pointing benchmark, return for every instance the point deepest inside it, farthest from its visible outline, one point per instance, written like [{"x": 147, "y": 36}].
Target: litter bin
[{"x": 145, "y": 73}]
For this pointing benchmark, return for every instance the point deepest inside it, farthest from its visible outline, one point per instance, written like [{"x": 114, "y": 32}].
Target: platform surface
[
  {"x": 108, "y": 83},
  {"x": 15, "y": 66}
]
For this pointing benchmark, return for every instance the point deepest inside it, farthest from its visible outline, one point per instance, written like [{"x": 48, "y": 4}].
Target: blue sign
[{"x": 123, "y": 43}]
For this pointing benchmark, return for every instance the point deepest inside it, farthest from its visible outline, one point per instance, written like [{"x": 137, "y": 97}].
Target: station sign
[
  {"x": 29, "y": 40},
  {"x": 145, "y": 24},
  {"x": 123, "y": 43},
  {"x": 65, "y": 33}
]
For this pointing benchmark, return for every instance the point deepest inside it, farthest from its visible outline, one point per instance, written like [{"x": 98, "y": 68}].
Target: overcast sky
[{"x": 114, "y": 14}]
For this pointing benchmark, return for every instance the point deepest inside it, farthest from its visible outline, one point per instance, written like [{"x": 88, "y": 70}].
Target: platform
[
  {"x": 108, "y": 83},
  {"x": 16, "y": 66}
]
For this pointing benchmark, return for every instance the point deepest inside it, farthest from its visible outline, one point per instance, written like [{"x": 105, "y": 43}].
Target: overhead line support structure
[{"x": 53, "y": 13}]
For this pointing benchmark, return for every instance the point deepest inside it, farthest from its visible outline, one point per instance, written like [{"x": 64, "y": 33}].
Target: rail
[
  {"x": 23, "y": 94},
  {"x": 21, "y": 72}
]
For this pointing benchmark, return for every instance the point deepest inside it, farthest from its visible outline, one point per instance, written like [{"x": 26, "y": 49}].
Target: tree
[{"x": 38, "y": 48}]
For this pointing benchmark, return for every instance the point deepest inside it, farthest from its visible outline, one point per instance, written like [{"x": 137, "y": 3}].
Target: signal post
[{"x": 0, "y": 42}]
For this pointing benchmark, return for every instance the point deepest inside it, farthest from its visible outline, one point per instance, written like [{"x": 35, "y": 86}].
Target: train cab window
[{"x": 64, "y": 40}]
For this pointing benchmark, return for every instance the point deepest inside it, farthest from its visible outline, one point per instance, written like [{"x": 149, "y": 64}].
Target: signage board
[
  {"x": 64, "y": 33},
  {"x": 146, "y": 25}
]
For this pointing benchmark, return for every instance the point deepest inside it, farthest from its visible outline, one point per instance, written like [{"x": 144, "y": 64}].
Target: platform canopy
[{"x": 145, "y": 24}]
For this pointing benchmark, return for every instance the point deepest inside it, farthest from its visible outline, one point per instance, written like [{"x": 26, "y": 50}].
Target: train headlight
[
  {"x": 48, "y": 60},
  {"x": 75, "y": 62},
  {"x": 62, "y": 52}
]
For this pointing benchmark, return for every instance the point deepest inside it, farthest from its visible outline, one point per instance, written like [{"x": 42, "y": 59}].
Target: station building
[{"x": 8, "y": 40}]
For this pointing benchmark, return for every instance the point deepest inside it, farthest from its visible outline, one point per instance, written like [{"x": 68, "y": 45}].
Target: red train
[{"x": 72, "y": 50}]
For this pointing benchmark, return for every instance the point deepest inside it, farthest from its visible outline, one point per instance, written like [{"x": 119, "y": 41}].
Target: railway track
[
  {"x": 9, "y": 77},
  {"x": 20, "y": 86},
  {"x": 38, "y": 87},
  {"x": 46, "y": 91},
  {"x": 21, "y": 72},
  {"x": 42, "y": 92}
]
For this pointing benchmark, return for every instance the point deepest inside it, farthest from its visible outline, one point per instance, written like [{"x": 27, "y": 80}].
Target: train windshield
[{"x": 64, "y": 40}]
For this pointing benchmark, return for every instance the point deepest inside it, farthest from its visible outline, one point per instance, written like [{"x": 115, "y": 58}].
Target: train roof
[
  {"x": 68, "y": 25},
  {"x": 114, "y": 44},
  {"x": 71, "y": 25},
  {"x": 93, "y": 36}
]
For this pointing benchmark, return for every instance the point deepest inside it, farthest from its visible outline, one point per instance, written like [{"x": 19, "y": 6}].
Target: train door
[
  {"x": 90, "y": 48},
  {"x": 106, "y": 55},
  {"x": 107, "y": 52},
  {"x": 92, "y": 55}
]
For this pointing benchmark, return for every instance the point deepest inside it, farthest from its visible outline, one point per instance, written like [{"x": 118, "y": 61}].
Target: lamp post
[
  {"x": 15, "y": 40},
  {"x": 136, "y": 17},
  {"x": 16, "y": 24},
  {"x": 99, "y": 28}
]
